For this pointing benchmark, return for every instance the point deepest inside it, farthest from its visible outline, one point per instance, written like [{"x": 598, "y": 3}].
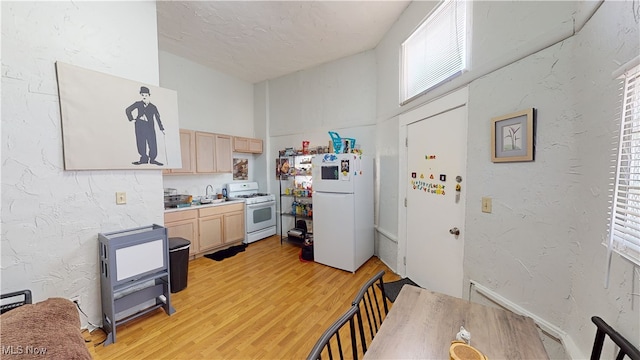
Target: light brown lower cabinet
[
  {"x": 234, "y": 226},
  {"x": 208, "y": 228},
  {"x": 183, "y": 224}
]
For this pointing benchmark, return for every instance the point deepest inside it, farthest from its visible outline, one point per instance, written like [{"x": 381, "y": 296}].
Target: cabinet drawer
[
  {"x": 220, "y": 209},
  {"x": 180, "y": 215}
]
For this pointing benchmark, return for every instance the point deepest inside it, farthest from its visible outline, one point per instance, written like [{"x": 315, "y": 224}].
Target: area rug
[
  {"x": 226, "y": 253},
  {"x": 392, "y": 289}
]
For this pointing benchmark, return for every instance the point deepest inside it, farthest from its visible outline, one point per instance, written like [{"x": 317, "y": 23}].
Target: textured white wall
[
  {"x": 261, "y": 125},
  {"x": 502, "y": 33},
  {"x": 208, "y": 100},
  {"x": 541, "y": 246},
  {"x": 51, "y": 217},
  {"x": 305, "y": 105},
  {"x": 611, "y": 38},
  {"x": 211, "y": 101},
  {"x": 333, "y": 96},
  {"x": 338, "y": 96}
]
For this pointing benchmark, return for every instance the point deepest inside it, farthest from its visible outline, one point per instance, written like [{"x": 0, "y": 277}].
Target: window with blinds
[
  {"x": 436, "y": 51},
  {"x": 624, "y": 228}
]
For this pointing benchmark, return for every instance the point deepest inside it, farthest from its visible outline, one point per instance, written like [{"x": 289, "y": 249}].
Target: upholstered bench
[{"x": 47, "y": 330}]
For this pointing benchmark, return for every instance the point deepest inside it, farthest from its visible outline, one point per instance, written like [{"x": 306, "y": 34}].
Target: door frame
[{"x": 442, "y": 104}]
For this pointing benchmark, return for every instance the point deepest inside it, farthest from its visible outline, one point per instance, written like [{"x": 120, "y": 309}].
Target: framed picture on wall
[
  {"x": 240, "y": 169},
  {"x": 512, "y": 136},
  {"x": 112, "y": 123}
]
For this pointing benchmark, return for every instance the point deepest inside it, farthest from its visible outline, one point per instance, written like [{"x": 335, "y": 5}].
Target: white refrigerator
[{"x": 343, "y": 234}]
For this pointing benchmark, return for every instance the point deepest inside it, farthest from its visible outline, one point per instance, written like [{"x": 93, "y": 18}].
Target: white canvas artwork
[{"x": 114, "y": 123}]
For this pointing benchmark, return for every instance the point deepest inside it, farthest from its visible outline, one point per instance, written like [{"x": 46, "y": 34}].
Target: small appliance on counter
[{"x": 173, "y": 200}]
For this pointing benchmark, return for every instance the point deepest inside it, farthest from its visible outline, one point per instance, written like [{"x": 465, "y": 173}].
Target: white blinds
[
  {"x": 624, "y": 230},
  {"x": 436, "y": 51}
]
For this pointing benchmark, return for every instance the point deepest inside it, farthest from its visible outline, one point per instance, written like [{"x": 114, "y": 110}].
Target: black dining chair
[
  {"x": 331, "y": 342},
  {"x": 626, "y": 348},
  {"x": 371, "y": 300},
  {"x": 14, "y": 303}
]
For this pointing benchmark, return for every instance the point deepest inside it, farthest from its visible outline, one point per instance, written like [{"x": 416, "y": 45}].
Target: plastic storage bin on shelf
[{"x": 179, "y": 263}]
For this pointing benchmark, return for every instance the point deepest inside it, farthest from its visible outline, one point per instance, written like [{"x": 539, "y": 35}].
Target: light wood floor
[{"x": 263, "y": 303}]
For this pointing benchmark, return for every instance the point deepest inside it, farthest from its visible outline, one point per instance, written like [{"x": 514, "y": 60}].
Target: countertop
[{"x": 192, "y": 207}]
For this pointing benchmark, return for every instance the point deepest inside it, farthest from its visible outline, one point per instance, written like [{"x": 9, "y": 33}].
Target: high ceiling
[{"x": 260, "y": 40}]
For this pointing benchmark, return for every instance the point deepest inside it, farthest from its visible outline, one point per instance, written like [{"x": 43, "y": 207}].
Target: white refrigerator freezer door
[
  {"x": 334, "y": 230},
  {"x": 335, "y": 173}
]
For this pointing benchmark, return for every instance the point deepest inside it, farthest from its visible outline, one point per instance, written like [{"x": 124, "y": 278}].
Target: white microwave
[{"x": 336, "y": 172}]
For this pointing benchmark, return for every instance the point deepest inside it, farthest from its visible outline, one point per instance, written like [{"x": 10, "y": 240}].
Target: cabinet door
[
  {"x": 186, "y": 229},
  {"x": 211, "y": 232},
  {"x": 234, "y": 226},
  {"x": 187, "y": 152},
  {"x": 255, "y": 146},
  {"x": 205, "y": 148},
  {"x": 223, "y": 154},
  {"x": 240, "y": 144},
  {"x": 247, "y": 145}
]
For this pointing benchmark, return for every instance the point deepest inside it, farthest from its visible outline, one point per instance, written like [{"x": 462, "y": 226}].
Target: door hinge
[
  {"x": 405, "y": 202},
  {"x": 404, "y": 260},
  {"x": 406, "y": 142}
]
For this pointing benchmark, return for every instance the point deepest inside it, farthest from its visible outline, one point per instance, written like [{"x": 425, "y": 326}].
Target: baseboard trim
[
  {"x": 389, "y": 266},
  {"x": 552, "y": 330}
]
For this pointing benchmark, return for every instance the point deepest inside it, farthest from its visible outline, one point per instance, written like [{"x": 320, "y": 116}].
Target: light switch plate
[
  {"x": 486, "y": 205},
  {"x": 121, "y": 198}
]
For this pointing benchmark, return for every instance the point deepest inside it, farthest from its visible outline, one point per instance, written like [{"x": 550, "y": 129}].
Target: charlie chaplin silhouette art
[{"x": 145, "y": 127}]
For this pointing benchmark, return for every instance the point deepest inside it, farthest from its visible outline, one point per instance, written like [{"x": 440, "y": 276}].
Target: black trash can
[{"x": 178, "y": 262}]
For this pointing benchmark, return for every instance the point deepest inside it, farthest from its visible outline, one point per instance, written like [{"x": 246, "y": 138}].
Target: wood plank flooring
[{"x": 263, "y": 303}]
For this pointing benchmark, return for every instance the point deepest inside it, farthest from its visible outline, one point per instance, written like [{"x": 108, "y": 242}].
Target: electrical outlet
[{"x": 75, "y": 299}]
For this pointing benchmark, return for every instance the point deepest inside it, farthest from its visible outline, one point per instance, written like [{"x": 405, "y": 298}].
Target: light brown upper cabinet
[
  {"x": 213, "y": 153},
  {"x": 187, "y": 153},
  {"x": 224, "y": 154},
  {"x": 247, "y": 145}
]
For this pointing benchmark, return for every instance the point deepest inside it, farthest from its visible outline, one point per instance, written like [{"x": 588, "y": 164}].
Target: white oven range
[{"x": 260, "y": 210}]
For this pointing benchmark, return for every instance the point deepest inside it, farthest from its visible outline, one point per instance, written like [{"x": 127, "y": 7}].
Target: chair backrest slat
[
  {"x": 603, "y": 330},
  {"x": 332, "y": 336},
  {"x": 368, "y": 301}
]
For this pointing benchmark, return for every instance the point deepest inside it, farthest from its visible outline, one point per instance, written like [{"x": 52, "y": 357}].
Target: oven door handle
[{"x": 261, "y": 205}]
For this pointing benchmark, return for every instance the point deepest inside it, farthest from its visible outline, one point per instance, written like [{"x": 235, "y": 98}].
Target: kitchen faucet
[{"x": 206, "y": 191}]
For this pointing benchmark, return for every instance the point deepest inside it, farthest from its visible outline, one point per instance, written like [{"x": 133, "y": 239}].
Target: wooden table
[{"x": 421, "y": 325}]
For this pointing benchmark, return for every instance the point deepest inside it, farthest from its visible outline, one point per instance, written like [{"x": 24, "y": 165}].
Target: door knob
[{"x": 454, "y": 231}]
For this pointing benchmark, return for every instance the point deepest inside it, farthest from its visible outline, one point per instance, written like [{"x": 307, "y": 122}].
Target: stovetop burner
[
  {"x": 251, "y": 199},
  {"x": 248, "y": 192}
]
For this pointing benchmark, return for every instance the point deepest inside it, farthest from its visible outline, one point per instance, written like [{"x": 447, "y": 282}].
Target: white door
[{"x": 436, "y": 155}]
